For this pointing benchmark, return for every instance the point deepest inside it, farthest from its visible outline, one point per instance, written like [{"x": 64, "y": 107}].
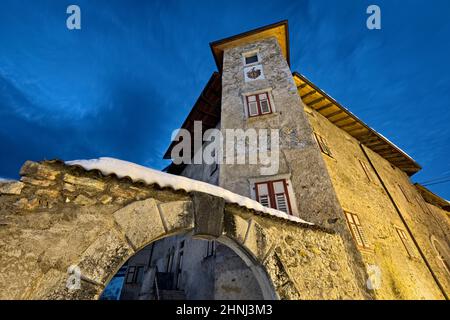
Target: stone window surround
[
  {"x": 249, "y": 54},
  {"x": 271, "y": 101},
  {"x": 405, "y": 240},
  {"x": 285, "y": 176}
]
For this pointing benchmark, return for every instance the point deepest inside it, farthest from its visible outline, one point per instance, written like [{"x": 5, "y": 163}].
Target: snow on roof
[{"x": 121, "y": 169}]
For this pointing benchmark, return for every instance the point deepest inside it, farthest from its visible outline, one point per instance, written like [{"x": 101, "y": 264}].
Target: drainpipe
[{"x": 441, "y": 288}]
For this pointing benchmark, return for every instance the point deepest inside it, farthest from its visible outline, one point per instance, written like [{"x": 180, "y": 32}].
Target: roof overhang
[
  {"x": 340, "y": 116},
  {"x": 206, "y": 109},
  {"x": 432, "y": 198},
  {"x": 278, "y": 30}
]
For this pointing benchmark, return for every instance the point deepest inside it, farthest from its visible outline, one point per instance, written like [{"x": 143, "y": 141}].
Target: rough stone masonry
[{"x": 59, "y": 216}]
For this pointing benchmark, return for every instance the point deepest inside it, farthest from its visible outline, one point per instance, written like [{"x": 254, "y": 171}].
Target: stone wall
[
  {"x": 61, "y": 216},
  {"x": 403, "y": 277},
  {"x": 300, "y": 157},
  {"x": 423, "y": 224}
]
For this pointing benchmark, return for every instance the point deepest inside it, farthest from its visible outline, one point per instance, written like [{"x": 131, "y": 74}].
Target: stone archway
[{"x": 60, "y": 216}]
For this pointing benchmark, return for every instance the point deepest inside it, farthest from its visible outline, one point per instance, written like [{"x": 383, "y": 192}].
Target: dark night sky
[{"x": 119, "y": 86}]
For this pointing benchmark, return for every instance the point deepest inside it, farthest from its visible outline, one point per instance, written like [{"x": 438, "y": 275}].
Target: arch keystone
[{"x": 208, "y": 215}]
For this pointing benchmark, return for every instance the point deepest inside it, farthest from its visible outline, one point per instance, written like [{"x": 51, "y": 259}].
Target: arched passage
[
  {"x": 62, "y": 223},
  {"x": 180, "y": 267}
]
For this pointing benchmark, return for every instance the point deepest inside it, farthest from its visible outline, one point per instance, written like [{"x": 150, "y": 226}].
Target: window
[
  {"x": 405, "y": 240},
  {"x": 323, "y": 145},
  {"x": 251, "y": 59},
  {"x": 405, "y": 194},
  {"x": 356, "y": 229},
  {"x": 214, "y": 170},
  {"x": 135, "y": 274},
  {"x": 274, "y": 194},
  {"x": 210, "y": 249},
  {"x": 423, "y": 205},
  {"x": 179, "y": 269},
  {"x": 441, "y": 254},
  {"x": 130, "y": 274},
  {"x": 366, "y": 170},
  {"x": 258, "y": 104},
  {"x": 170, "y": 260}
]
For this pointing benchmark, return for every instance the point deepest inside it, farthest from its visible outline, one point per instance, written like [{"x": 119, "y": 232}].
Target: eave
[
  {"x": 206, "y": 109},
  {"x": 318, "y": 100},
  {"x": 279, "y": 30}
]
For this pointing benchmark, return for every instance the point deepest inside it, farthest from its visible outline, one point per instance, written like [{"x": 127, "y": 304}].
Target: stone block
[
  {"x": 177, "y": 215},
  {"x": 235, "y": 227},
  {"x": 82, "y": 200},
  {"x": 11, "y": 187},
  {"x": 37, "y": 170},
  {"x": 105, "y": 199},
  {"x": 69, "y": 187},
  {"x": 26, "y": 204},
  {"x": 36, "y": 182},
  {"x": 53, "y": 286},
  {"x": 49, "y": 193},
  {"x": 85, "y": 182},
  {"x": 258, "y": 240},
  {"x": 208, "y": 213},
  {"x": 104, "y": 257},
  {"x": 141, "y": 222}
]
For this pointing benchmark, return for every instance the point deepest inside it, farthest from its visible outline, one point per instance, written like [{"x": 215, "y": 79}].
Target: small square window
[{"x": 251, "y": 59}]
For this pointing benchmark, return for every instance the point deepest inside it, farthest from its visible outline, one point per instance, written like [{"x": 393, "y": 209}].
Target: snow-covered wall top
[{"x": 149, "y": 176}]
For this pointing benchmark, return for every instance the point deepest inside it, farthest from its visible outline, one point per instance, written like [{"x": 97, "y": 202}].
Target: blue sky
[{"x": 119, "y": 86}]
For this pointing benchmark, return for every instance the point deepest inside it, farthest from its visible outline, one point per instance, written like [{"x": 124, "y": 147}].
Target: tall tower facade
[{"x": 259, "y": 92}]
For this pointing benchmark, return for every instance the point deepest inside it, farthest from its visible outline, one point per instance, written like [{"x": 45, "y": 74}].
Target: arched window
[{"x": 441, "y": 253}]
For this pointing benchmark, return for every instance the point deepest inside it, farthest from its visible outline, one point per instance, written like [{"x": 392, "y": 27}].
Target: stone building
[
  {"x": 371, "y": 233},
  {"x": 334, "y": 170}
]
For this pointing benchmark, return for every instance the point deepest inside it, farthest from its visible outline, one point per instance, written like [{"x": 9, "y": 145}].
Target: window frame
[
  {"x": 406, "y": 241},
  {"x": 366, "y": 170},
  {"x": 134, "y": 272},
  {"x": 323, "y": 145},
  {"x": 258, "y": 104},
  {"x": 130, "y": 271},
  {"x": 405, "y": 194},
  {"x": 271, "y": 194},
  {"x": 442, "y": 257},
  {"x": 357, "y": 230},
  {"x": 251, "y": 54},
  {"x": 423, "y": 205},
  {"x": 210, "y": 249}
]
